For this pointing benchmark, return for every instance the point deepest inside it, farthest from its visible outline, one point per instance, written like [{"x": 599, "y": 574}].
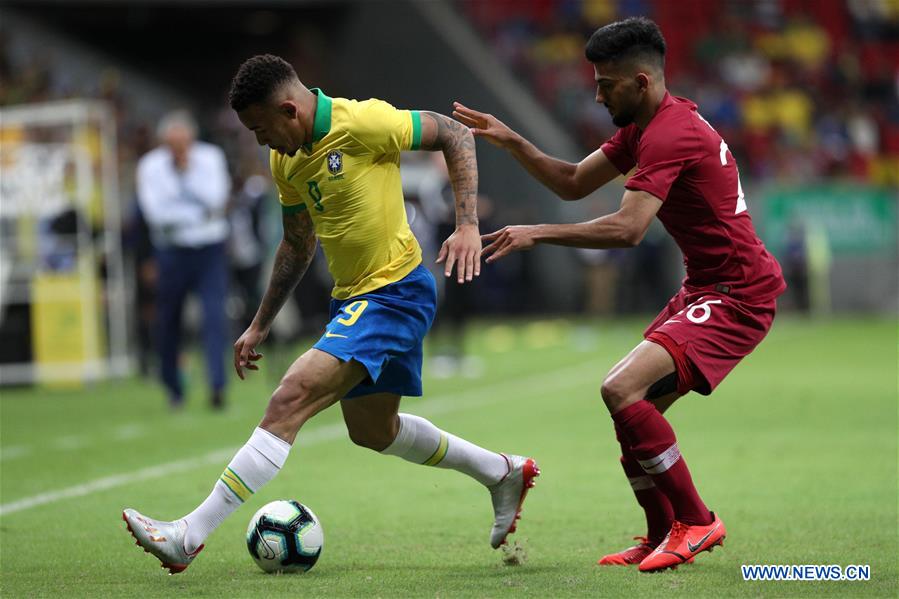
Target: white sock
[
  {"x": 421, "y": 442},
  {"x": 253, "y": 465}
]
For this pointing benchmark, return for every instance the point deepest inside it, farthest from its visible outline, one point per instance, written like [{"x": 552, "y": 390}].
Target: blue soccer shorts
[{"x": 383, "y": 330}]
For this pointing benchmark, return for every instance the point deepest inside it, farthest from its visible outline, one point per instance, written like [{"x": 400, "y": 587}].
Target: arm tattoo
[
  {"x": 295, "y": 253},
  {"x": 457, "y": 144}
]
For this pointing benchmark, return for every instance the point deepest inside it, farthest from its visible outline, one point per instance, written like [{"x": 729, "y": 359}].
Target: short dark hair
[
  {"x": 257, "y": 79},
  {"x": 635, "y": 37}
]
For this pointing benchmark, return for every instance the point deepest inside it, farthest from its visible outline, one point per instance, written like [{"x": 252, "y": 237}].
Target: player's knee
[
  {"x": 374, "y": 436},
  {"x": 374, "y": 440},
  {"x": 294, "y": 398},
  {"x": 615, "y": 392}
]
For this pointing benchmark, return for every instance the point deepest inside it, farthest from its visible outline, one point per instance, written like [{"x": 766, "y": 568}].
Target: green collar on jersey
[{"x": 321, "y": 125}]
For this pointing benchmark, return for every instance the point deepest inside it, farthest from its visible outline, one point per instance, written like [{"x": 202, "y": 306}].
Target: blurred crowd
[{"x": 800, "y": 89}]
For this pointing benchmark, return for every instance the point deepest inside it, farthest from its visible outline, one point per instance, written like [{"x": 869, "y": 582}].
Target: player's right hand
[
  {"x": 484, "y": 125},
  {"x": 245, "y": 355}
]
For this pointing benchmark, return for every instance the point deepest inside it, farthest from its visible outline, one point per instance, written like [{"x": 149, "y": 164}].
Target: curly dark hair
[
  {"x": 257, "y": 78},
  {"x": 636, "y": 37}
]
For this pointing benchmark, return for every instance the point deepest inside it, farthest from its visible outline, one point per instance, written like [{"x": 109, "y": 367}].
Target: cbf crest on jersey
[{"x": 335, "y": 161}]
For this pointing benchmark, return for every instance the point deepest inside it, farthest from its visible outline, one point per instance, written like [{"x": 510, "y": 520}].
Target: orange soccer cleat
[
  {"x": 630, "y": 556},
  {"x": 683, "y": 543}
]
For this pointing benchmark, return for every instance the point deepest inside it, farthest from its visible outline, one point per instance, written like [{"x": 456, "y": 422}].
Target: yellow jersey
[{"x": 348, "y": 178}]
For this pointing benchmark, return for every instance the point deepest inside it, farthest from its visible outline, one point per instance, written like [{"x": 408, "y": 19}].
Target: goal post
[{"x": 62, "y": 271}]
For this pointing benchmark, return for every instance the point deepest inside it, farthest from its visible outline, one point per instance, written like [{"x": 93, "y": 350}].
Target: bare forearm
[
  {"x": 603, "y": 233},
  {"x": 291, "y": 262},
  {"x": 463, "y": 171},
  {"x": 457, "y": 144},
  {"x": 555, "y": 174}
]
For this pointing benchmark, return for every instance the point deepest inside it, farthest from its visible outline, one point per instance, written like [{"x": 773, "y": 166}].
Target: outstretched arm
[
  {"x": 568, "y": 180},
  {"x": 463, "y": 247},
  {"x": 294, "y": 254},
  {"x": 621, "y": 229}
]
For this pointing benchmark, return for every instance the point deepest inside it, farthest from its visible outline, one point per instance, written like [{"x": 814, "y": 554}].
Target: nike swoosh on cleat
[
  {"x": 330, "y": 334},
  {"x": 693, "y": 547}
]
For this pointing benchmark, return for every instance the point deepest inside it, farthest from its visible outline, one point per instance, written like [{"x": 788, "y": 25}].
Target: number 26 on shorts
[{"x": 699, "y": 311}]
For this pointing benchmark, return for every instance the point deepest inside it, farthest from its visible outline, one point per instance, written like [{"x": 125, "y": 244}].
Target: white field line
[
  {"x": 70, "y": 442},
  {"x": 545, "y": 382},
  {"x": 130, "y": 431},
  {"x": 126, "y": 432},
  {"x": 14, "y": 451}
]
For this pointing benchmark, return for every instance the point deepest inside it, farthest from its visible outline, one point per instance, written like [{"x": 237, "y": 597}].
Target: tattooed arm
[
  {"x": 294, "y": 254},
  {"x": 463, "y": 247}
]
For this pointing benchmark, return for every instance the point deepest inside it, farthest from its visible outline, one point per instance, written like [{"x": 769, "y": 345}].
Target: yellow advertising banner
[{"x": 64, "y": 325}]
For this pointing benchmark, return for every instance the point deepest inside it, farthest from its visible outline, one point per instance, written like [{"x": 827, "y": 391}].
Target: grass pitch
[{"x": 797, "y": 451}]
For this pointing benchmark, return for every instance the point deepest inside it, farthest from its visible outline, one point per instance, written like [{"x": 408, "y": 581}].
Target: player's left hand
[
  {"x": 462, "y": 249},
  {"x": 508, "y": 240}
]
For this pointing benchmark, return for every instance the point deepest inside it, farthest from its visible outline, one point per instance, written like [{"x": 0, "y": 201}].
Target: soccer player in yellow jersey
[{"x": 336, "y": 165}]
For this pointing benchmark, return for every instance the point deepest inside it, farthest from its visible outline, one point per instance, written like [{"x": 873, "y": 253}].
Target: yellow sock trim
[
  {"x": 237, "y": 486},
  {"x": 439, "y": 453}
]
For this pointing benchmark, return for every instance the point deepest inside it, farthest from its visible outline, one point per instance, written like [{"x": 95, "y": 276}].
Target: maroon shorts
[{"x": 707, "y": 333}]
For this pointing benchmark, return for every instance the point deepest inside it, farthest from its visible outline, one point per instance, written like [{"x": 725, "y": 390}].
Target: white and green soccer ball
[{"x": 285, "y": 536}]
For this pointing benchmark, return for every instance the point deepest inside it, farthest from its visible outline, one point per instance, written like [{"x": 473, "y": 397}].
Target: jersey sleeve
[
  {"x": 290, "y": 199},
  {"x": 618, "y": 152},
  {"x": 384, "y": 129},
  {"x": 663, "y": 157}
]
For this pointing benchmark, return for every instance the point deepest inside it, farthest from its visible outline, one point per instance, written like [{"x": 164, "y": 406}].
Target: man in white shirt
[{"x": 183, "y": 187}]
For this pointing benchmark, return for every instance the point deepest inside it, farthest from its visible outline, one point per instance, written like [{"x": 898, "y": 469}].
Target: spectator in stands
[
  {"x": 760, "y": 72},
  {"x": 183, "y": 187}
]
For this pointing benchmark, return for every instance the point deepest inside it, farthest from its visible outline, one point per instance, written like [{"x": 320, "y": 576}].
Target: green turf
[{"x": 797, "y": 451}]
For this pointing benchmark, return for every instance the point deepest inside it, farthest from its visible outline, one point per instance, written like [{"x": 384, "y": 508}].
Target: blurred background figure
[
  {"x": 183, "y": 188},
  {"x": 458, "y": 303},
  {"x": 246, "y": 247},
  {"x": 430, "y": 211},
  {"x": 796, "y": 267},
  {"x": 136, "y": 238}
]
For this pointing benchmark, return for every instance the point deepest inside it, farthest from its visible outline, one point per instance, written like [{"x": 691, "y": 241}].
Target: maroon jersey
[{"x": 683, "y": 161}]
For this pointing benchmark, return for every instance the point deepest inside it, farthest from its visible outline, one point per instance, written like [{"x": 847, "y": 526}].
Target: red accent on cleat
[
  {"x": 529, "y": 472},
  {"x": 176, "y": 568},
  {"x": 172, "y": 568}
]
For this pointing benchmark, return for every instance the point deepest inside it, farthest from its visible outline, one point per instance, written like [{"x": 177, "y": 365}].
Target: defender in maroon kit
[{"x": 682, "y": 172}]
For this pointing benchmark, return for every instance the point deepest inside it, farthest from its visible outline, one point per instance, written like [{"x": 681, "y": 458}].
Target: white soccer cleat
[
  {"x": 508, "y": 496},
  {"x": 163, "y": 539}
]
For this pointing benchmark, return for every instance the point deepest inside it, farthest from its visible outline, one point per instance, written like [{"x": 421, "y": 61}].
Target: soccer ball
[{"x": 285, "y": 536}]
